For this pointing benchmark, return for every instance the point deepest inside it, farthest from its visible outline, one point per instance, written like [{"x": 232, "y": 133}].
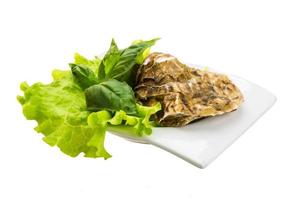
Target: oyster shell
[{"x": 186, "y": 94}]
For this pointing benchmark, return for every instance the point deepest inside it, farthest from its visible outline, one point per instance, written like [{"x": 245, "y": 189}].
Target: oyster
[{"x": 186, "y": 94}]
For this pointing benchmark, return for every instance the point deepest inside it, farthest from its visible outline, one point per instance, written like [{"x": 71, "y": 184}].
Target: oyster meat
[{"x": 186, "y": 94}]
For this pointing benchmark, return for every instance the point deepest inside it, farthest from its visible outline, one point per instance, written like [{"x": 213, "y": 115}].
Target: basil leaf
[
  {"x": 111, "y": 95},
  {"x": 121, "y": 64},
  {"x": 110, "y": 59},
  {"x": 84, "y": 76}
]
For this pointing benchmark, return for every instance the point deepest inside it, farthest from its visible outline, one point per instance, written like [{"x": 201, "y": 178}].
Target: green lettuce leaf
[
  {"x": 132, "y": 124},
  {"x": 124, "y": 123},
  {"x": 60, "y": 111}
]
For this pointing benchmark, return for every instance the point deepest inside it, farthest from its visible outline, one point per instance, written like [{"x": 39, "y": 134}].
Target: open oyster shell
[{"x": 186, "y": 94}]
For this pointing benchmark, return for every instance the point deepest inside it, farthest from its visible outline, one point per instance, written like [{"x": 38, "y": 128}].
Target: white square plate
[{"x": 201, "y": 142}]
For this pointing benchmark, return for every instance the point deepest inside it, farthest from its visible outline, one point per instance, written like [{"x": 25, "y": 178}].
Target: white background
[{"x": 258, "y": 40}]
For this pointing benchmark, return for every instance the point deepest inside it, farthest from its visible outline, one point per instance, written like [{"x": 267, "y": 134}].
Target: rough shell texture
[{"x": 186, "y": 94}]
